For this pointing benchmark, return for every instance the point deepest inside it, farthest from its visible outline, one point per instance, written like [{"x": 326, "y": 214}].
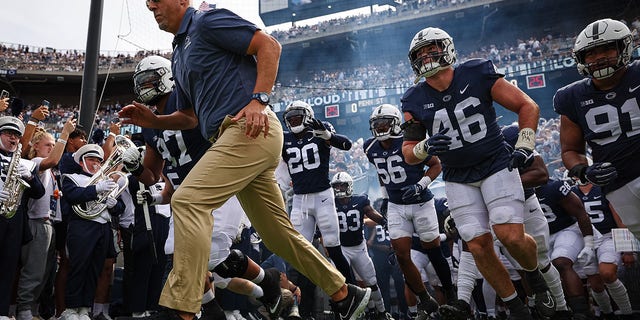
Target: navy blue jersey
[
  {"x": 466, "y": 109},
  {"x": 393, "y": 171},
  {"x": 597, "y": 207},
  {"x": 350, "y": 219},
  {"x": 307, "y": 159},
  {"x": 180, "y": 149},
  {"x": 550, "y": 196},
  {"x": 442, "y": 211},
  {"x": 381, "y": 241},
  {"x": 610, "y": 121}
]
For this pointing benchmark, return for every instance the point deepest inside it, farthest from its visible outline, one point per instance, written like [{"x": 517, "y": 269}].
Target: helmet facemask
[
  {"x": 296, "y": 120},
  {"x": 444, "y": 58},
  {"x": 149, "y": 85},
  {"x": 607, "y": 33},
  {"x": 383, "y": 127},
  {"x": 342, "y": 185}
]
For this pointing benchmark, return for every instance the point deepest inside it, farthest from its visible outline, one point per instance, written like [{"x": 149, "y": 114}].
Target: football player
[
  {"x": 451, "y": 115},
  {"x": 603, "y": 219},
  {"x": 352, "y": 210},
  {"x": 602, "y": 111},
  {"x": 410, "y": 204},
  {"x": 306, "y": 153},
  {"x": 572, "y": 240}
]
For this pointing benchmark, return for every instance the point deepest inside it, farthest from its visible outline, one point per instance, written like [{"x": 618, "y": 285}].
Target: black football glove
[
  {"x": 520, "y": 159},
  {"x": 438, "y": 143},
  {"x": 600, "y": 173},
  {"x": 412, "y": 193}
]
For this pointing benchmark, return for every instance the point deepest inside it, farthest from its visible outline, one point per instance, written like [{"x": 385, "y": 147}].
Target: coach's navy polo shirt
[{"x": 211, "y": 69}]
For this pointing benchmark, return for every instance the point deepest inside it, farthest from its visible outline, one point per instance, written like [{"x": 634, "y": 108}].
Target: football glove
[
  {"x": 438, "y": 143},
  {"x": 412, "y": 193},
  {"x": 131, "y": 159},
  {"x": 319, "y": 129},
  {"x": 600, "y": 173},
  {"x": 521, "y": 158},
  {"x": 145, "y": 197},
  {"x": 450, "y": 225},
  {"x": 587, "y": 253}
]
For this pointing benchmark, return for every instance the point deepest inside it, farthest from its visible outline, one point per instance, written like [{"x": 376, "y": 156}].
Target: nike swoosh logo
[
  {"x": 348, "y": 310},
  {"x": 273, "y": 309},
  {"x": 323, "y": 200},
  {"x": 532, "y": 210},
  {"x": 634, "y": 88},
  {"x": 465, "y": 89},
  {"x": 596, "y": 198},
  {"x": 549, "y": 303}
]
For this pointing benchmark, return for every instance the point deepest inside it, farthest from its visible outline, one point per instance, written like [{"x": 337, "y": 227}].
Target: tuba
[
  {"x": 14, "y": 185},
  {"x": 92, "y": 209}
]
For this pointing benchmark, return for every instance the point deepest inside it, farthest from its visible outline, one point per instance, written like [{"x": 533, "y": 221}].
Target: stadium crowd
[{"x": 54, "y": 125}]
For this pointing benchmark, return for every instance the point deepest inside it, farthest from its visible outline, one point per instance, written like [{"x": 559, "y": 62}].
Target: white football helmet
[
  {"x": 296, "y": 115},
  {"x": 439, "y": 61},
  {"x": 385, "y": 122},
  {"x": 602, "y": 33},
  {"x": 342, "y": 185},
  {"x": 152, "y": 79}
]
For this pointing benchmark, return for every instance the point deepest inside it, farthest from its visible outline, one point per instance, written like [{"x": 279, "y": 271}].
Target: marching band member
[{"x": 87, "y": 238}]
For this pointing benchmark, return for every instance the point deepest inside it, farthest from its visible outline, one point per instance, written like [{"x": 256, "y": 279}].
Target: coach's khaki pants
[{"x": 237, "y": 165}]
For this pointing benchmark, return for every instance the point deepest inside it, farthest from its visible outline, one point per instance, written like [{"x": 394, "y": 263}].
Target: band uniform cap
[
  {"x": 90, "y": 150},
  {"x": 11, "y": 123}
]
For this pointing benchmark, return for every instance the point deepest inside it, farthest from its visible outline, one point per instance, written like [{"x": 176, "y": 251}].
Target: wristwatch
[{"x": 262, "y": 97}]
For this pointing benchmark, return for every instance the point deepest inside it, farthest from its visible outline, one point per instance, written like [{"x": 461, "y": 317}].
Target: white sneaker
[{"x": 70, "y": 314}]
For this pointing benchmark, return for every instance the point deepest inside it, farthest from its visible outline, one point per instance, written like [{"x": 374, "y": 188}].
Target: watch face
[{"x": 262, "y": 97}]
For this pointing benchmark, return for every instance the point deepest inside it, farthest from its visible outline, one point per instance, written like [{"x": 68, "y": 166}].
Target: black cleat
[
  {"x": 383, "y": 316},
  {"x": 272, "y": 298},
  {"x": 545, "y": 305},
  {"x": 353, "y": 305},
  {"x": 427, "y": 309},
  {"x": 456, "y": 310}
]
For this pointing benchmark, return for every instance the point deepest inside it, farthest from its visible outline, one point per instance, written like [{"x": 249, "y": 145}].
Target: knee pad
[{"x": 235, "y": 265}]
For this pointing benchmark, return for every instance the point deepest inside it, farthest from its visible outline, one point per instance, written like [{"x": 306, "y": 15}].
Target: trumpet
[{"x": 109, "y": 170}]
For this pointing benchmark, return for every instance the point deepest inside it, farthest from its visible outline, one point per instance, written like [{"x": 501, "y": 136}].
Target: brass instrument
[
  {"x": 14, "y": 185},
  {"x": 92, "y": 209}
]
